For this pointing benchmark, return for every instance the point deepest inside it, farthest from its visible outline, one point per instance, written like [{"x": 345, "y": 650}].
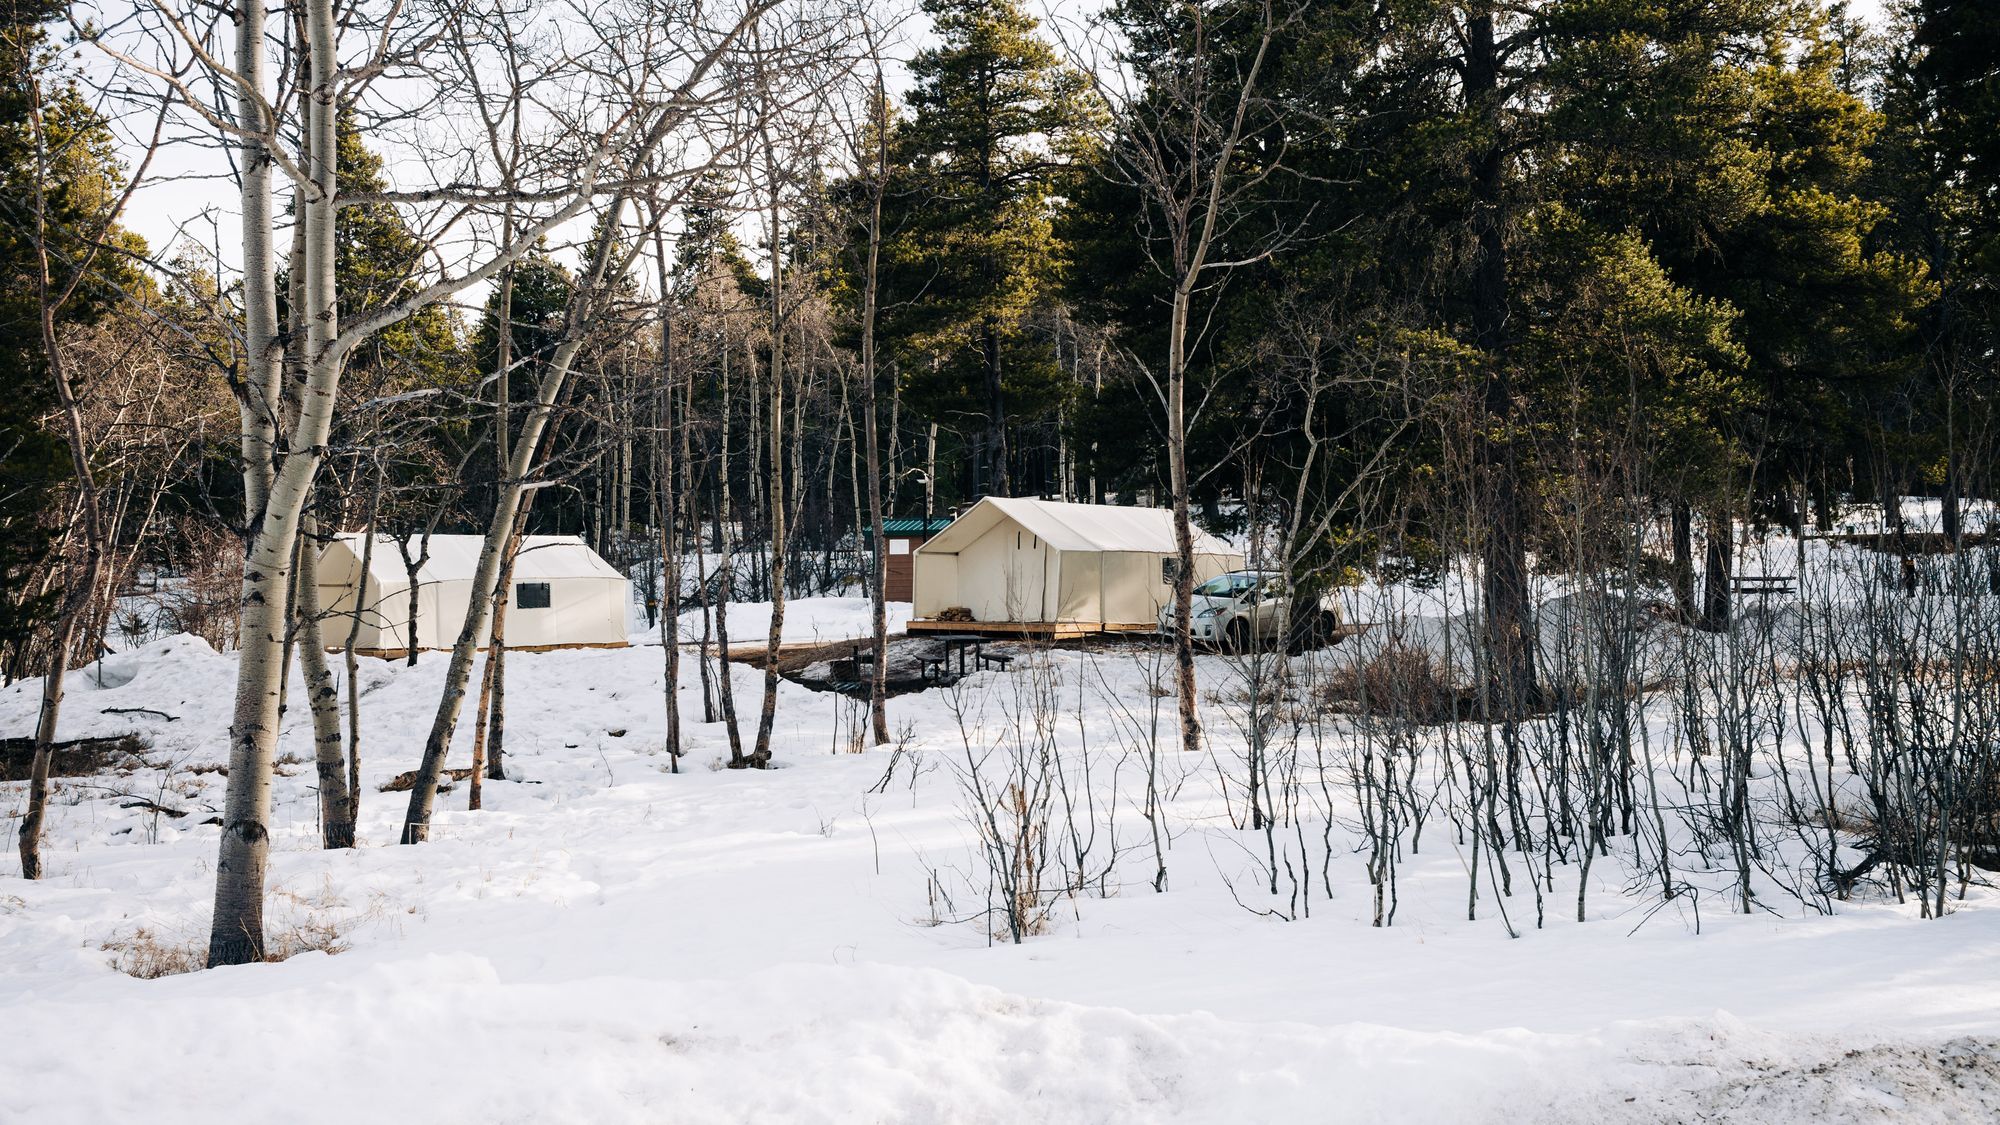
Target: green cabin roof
[{"x": 915, "y": 526}]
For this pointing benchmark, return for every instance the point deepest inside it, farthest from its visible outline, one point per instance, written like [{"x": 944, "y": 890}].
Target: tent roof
[
  {"x": 453, "y": 558},
  {"x": 1073, "y": 527}
]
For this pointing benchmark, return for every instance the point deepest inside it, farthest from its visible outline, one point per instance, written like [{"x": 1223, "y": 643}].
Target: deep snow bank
[{"x": 612, "y": 942}]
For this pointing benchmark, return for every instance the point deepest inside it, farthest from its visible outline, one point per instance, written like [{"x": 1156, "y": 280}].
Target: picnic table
[
  {"x": 1762, "y": 584},
  {"x": 956, "y": 643}
]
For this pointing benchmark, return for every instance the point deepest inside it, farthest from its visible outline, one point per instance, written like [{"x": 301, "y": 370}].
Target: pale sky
[{"x": 190, "y": 194}]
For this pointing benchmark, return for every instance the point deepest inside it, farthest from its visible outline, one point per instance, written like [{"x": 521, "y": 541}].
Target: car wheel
[{"x": 1239, "y": 636}]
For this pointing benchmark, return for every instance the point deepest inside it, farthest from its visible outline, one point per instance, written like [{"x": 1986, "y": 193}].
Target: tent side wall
[
  {"x": 933, "y": 583},
  {"x": 1133, "y": 591},
  {"x": 336, "y": 603},
  {"x": 1080, "y": 587},
  {"x": 581, "y": 611},
  {"x": 1136, "y": 587},
  {"x": 441, "y": 608}
]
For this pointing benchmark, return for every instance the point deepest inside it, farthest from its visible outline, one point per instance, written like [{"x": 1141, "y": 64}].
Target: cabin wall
[{"x": 899, "y": 584}]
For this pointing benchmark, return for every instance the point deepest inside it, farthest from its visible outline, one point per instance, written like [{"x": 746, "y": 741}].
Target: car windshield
[{"x": 1227, "y": 586}]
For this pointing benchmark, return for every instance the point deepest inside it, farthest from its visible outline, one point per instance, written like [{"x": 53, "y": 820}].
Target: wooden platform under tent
[
  {"x": 1036, "y": 630},
  {"x": 1892, "y": 542}
]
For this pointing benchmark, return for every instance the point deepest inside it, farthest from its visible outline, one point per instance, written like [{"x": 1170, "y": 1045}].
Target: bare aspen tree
[
  {"x": 871, "y": 156},
  {"x": 51, "y": 296},
  {"x": 613, "y": 252},
  {"x": 174, "y": 55},
  {"x": 1178, "y": 143},
  {"x": 774, "y": 481},
  {"x": 784, "y": 98},
  {"x": 585, "y": 306},
  {"x": 666, "y": 499}
]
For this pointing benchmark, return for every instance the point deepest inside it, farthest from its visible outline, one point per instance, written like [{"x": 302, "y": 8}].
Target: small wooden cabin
[{"x": 904, "y": 537}]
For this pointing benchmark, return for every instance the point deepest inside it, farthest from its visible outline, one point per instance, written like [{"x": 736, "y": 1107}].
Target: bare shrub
[
  {"x": 315, "y": 922},
  {"x": 207, "y": 589},
  {"x": 1042, "y": 834},
  {"x": 148, "y": 956},
  {"x": 1399, "y": 679}
]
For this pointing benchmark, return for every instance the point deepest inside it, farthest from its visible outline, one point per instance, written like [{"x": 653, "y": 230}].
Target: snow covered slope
[{"x": 611, "y": 942}]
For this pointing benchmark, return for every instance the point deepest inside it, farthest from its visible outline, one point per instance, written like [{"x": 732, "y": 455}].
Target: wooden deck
[
  {"x": 1891, "y": 542},
  {"x": 790, "y": 655},
  {"x": 1039, "y": 630}
]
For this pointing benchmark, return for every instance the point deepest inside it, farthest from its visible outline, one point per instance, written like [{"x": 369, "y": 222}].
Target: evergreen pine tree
[{"x": 996, "y": 124}]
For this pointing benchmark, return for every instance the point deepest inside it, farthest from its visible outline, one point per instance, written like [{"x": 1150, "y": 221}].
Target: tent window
[
  {"x": 1170, "y": 569},
  {"x": 531, "y": 595}
]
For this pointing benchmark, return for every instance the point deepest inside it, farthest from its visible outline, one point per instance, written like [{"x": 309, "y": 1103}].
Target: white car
[{"x": 1232, "y": 609}]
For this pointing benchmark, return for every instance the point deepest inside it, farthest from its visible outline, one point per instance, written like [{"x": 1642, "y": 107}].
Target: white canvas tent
[
  {"x": 564, "y": 594},
  {"x": 1045, "y": 562}
]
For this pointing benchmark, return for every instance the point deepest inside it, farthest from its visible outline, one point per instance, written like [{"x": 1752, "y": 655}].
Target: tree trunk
[
  {"x": 487, "y": 720},
  {"x": 1192, "y": 242},
  {"x": 725, "y": 577},
  {"x": 77, "y": 600},
  {"x": 774, "y": 501},
  {"x": 996, "y": 410},
  {"x": 1504, "y": 564},
  {"x": 1177, "y": 483},
  {"x": 413, "y": 566},
  {"x": 1715, "y": 593},
  {"x": 666, "y": 512},
  {"x": 489, "y": 744},
  {"x": 273, "y": 499},
  {"x": 335, "y": 819},
  {"x": 482, "y": 722},
  {"x": 1683, "y": 564},
  {"x": 691, "y": 489},
  {"x": 496, "y": 715},
  {"x": 423, "y": 794},
  {"x": 878, "y": 679},
  {"x": 348, "y": 657}
]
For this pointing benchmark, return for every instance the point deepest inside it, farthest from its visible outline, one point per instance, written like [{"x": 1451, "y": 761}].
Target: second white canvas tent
[
  {"x": 1043, "y": 561},
  {"x": 564, "y": 594}
]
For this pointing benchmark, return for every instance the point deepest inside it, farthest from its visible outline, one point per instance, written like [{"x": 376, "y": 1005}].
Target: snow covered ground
[
  {"x": 611, "y": 942},
  {"x": 807, "y": 621}
]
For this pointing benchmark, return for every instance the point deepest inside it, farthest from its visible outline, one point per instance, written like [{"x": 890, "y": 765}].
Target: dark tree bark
[
  {"x": 1504, "y": 553},
  {"x": 1683, "y": 565},
  {"x": 1715, "y": 584},
  {"x": 666, "y": 510},
  {"x": 996, "y": 411}
]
